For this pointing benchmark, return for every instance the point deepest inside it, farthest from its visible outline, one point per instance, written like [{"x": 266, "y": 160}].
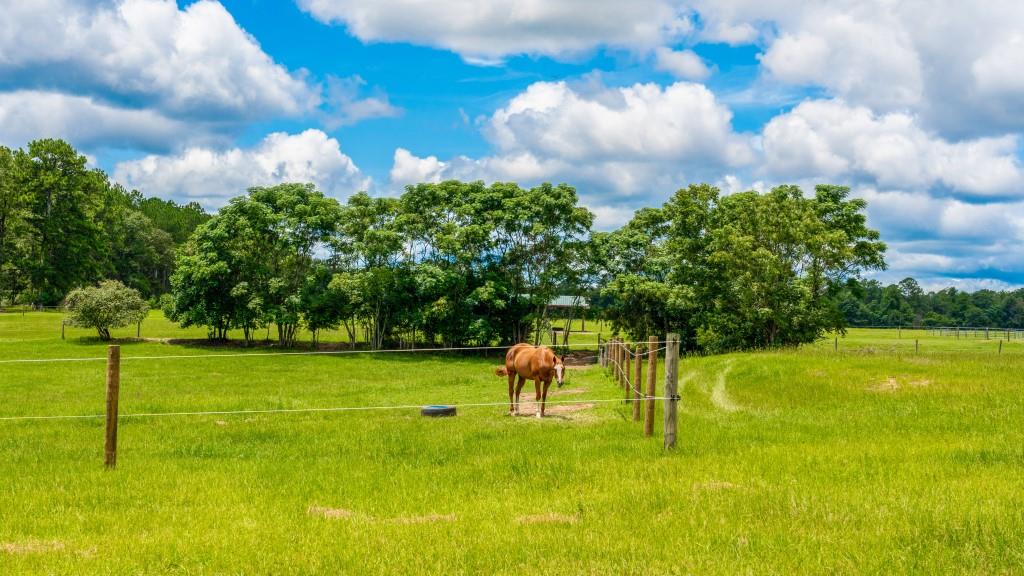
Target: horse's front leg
[
  {"x": 544, "y": 397},
  {"x": 536, "y": 388},
  {"x": 519, "y": 389}
]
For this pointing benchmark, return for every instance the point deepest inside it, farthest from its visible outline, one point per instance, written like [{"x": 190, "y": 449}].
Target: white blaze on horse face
[{"x": 558, "y": 373}]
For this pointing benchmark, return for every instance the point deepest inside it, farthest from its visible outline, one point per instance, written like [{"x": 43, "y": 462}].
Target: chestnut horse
[{"x": 537, "y": 363}]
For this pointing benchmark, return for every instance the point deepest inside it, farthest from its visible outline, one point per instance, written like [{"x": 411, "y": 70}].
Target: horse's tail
[{"x": 501, "y": 371}]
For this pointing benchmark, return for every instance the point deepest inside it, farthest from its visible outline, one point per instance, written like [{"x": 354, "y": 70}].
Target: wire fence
[
  {"x": 306, "y": 410},
  {"x": 291, "y": 410},
  {"x": 986, "y": 332}
]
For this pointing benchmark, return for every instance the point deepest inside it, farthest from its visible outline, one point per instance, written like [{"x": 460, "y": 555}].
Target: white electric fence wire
[
  {"x": 642, "y": 395},
  {"x": 303, "y": 410},
  {"x": 265, "y": 354}
]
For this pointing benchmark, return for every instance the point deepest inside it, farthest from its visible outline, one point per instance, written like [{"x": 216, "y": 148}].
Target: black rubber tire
[{"x": 435, "y": 411}]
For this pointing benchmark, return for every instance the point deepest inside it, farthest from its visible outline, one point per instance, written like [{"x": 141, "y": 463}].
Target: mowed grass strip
[{"x": 873, "y": 459}]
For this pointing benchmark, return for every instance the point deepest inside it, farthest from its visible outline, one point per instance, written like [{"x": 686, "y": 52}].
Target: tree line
[
  {"x": 64, "y": 225},
  {"x": 453, "y": 263},
  {"x": 907, "y": 304},
  {"x": 450, "y": 263}
]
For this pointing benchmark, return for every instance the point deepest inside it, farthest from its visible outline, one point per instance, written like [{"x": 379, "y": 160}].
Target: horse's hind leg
[
  {"x": 512, "y": 393},
  {"x": 519, "y": 390}
]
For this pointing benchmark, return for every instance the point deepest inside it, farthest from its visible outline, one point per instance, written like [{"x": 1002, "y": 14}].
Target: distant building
[{"x": 568, "y": 302}]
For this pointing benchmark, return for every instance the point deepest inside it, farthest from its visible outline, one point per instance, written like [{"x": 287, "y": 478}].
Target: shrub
[
  {"x": 109, "y": 305},
  {"x": 166, "y": 305}
]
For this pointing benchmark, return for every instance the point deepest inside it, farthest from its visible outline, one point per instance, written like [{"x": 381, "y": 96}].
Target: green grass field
[{"x": 875, "y": 459}]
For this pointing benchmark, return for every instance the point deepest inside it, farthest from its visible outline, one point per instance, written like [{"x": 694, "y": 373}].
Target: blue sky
[{"x": 626, "y": 101}]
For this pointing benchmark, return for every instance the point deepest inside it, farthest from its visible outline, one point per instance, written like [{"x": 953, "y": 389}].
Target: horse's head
[{"x": 559, "y": 371}]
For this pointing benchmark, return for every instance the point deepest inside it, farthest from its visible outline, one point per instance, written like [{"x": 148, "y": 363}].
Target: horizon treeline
[
  {"x": 905, "y": 303},
  {"x": 460, "y": 263}
]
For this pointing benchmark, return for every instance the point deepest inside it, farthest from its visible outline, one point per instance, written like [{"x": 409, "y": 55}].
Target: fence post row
[{"x": 671, "y": 381}]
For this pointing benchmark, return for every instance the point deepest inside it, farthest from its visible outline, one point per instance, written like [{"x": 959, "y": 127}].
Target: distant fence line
[{"x": 986, "y": 332}]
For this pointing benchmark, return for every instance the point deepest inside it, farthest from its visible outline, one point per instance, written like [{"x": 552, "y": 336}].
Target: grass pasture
[{"x": 875, "y": 459}]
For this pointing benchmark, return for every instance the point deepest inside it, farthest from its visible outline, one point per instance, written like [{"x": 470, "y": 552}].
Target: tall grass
[{"x": 873, "y": 459}]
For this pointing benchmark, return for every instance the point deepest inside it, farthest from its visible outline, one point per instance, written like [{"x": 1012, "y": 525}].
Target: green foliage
[
  {"x": 111, "y": 304},
  {"x": 454, "y": 263},
  {"x": 64, "y": 225},
  {"x": 177, "y": 220},
  {"x": 740, "y": 271},
  {"x": 249, "y": 265},
  {"x": 907, "y": 304}
]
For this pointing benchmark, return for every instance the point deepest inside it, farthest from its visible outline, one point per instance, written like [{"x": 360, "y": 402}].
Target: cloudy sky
[{"x": 918, "y": 106}]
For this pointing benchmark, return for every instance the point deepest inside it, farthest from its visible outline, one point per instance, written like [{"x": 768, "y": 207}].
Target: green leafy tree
[
  {"x": 745, "y": 270},
  {"x": 111, "y": 304},
  {"x": 66, "y": 244},
  {"x": 247, "y": 266},
  {"x": 14, "y": 209}
]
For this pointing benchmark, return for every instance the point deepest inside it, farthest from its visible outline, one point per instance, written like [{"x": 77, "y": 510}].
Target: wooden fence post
[
  {"x": 113, "y": 390},
  {"x": 671, "y": 381},
  {"x": 619, "y": 357},
  {"x": 621, "y": 364},
  {"x": 638, "y": 385},
  {"x": 138, "y": 330},
  {"x": 615, "y": 361},
  {"x": 1000, "y": 346},
  {"x": 917, "y": 346},
  {"x": 628, "y": 375},
  {"x": 652, "y": 371},
  {"x": 62, "y": 324}
]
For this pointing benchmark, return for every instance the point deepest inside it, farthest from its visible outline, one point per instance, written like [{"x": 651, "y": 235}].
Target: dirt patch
[
  {"x": 548, "y": 518},
  {"x": 894, "y": 383},
  {"x": 568, "y": 392},
  {"x": 529, "y": 408},
  {"x": 31, "y": 547},
  {"x": 889, "y": 385},
  {"x": 579, "y": 359},
  {"x": 427, "y": 519},
  {"x": 343, "y": 513},
  {"x": 715, "y": 486},
  {"x": 569, "y": 408},
  {"x": 331, "y": 512}
]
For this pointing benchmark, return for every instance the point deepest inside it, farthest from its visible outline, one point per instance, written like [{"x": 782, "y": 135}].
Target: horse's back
[{"x": 529, "y": 361}]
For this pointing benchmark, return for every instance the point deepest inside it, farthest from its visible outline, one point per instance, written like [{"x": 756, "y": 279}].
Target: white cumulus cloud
[
  {"x": 193, "y": 62},
  {"x": 957, "y": 64},
  {"x": 212, "y": 176},
  {"x": 684, "y": 64},
  {"x": 629, "y": 140},
  {"x": 26, "y": 115},
  {"x": 489, "y": 31},
  {"x": 837, "y": 141}
]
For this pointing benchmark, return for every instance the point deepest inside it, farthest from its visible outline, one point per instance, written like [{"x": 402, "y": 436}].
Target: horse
[{"x": 537, "y": 363}]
